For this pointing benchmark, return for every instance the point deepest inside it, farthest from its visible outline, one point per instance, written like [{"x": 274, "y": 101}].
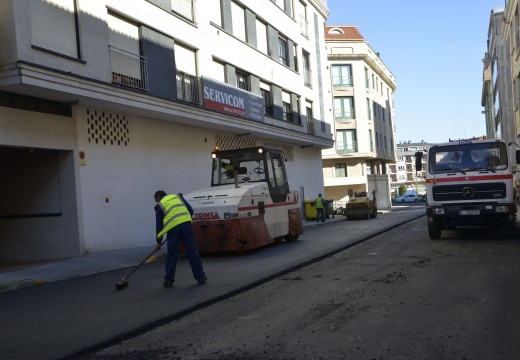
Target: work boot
[
  {"x": 168, "y": 284},
  {"x": 203, "y": 280}
]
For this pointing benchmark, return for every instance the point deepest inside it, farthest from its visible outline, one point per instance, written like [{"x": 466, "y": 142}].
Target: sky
[{"x": 435, "y": 51}]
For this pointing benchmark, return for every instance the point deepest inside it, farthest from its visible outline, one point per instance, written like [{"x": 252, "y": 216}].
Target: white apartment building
[
  {"x": 364, "y": 122},
  {"x": 404, "y": 171},
  {"x": 104, "y": 102}
]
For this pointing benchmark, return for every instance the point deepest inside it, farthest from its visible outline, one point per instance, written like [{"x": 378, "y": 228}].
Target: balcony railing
[
  {"x": 128, "y": 69},
  {"x": 188, "y": 87},
  {"x": 347, "y": 148},
  {"x": 347, "y": 114},
  {"x": 342, "y": 81}
]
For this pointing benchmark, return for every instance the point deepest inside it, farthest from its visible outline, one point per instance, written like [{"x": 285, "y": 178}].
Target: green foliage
[{"x": 402, "y": 190}]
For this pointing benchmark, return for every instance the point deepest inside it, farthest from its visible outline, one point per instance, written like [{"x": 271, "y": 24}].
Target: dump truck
[
  {"x": 361, "y": 206},
  {"x": 470, "y": 183},
  {"x": 250, "y": 203}
]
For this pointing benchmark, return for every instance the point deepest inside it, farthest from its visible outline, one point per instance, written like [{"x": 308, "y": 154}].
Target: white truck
[
  {"x": 250, "y": 203},
  {"x": 469, "y": 183}
]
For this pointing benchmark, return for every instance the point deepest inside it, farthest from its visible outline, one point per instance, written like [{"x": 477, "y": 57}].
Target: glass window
[
  {"x": 346, "y": 141},
  {"x": 242, "y": 81},
  {"x": 282, "y": 51},
  {"x": 307, "y": 74},
  {"x": 344, "y": 108},
  {"x": 286, "y": 105},
  {"x": 340, "y": 170},
  {"x": 261, "y": 36},
  {"x": 341, "y": 75}
]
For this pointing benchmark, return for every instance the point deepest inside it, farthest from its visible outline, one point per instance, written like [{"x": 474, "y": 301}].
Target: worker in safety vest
[
  {"x": 320, "y": 209},
  {"x": 173, "y": 217}
]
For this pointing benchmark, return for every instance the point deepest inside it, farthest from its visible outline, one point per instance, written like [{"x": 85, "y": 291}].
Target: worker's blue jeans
[{"x": 184, "y": 233}]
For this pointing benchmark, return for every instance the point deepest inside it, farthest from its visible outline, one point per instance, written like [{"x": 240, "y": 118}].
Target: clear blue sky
[{"x": 435, "y": 50}]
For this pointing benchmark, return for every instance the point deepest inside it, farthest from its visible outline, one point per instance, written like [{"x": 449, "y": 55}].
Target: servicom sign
[{"x": 227, "y": 99}]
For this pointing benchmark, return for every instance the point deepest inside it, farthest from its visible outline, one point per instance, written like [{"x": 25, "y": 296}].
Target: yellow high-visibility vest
[
  {"x": 319, "y": 203},
  {"x": 175, "y": 213}
]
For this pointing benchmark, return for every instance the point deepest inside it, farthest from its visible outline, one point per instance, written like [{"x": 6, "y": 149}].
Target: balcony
[
  {"x": 347, "y": 148},
  {"x": 128, "y": 69},
  {"x": 345, "y": 115},
  {"x": 342, "y": 81}
]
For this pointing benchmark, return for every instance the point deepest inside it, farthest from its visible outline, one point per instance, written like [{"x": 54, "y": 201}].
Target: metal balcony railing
[
  {"x": 342, "y": 81},
  {"x": 347, "y": 114},
  {"x": 347, "y": 148},
  {"x": 128, "y": 69}
]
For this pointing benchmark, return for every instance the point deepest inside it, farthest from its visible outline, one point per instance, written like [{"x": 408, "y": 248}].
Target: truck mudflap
[
  {"x": 295, "y": 223},
  {"x": 231, "y": 235}
]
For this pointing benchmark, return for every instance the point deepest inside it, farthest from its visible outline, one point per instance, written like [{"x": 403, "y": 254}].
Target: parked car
[{"x": 407, "y": 198}]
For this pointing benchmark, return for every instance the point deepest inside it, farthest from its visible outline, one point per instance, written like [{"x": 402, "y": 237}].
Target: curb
[{"x": 15, "y": 285}]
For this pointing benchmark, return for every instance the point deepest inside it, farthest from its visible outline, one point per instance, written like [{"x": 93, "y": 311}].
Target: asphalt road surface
[{"x": 396, "y": 296}]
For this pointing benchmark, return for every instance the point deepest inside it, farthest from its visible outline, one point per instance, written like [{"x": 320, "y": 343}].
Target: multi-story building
[
  {"x": 104, "y": 102},
  {"x": 497, "y": 97},
  {"x": 364, "y": 123},
  {"x": 404, "y": 173}
]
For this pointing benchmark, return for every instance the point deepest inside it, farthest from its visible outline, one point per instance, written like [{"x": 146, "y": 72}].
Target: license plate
[{"x": 469, "y": 212}]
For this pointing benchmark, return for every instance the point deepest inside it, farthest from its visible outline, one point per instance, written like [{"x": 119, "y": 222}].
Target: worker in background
[
  {"x": 173, "y": 217},
  {"x": 320, "y": 209}
]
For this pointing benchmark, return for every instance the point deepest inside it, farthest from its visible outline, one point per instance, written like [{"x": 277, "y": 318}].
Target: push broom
[{"x": 124, "y": 281}]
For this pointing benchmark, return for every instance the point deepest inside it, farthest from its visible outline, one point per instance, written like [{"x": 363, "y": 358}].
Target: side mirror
[{"x": 418, "y": 160}]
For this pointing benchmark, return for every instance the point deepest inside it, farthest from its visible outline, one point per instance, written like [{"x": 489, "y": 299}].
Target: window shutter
[{"x": 53, "y": 26}]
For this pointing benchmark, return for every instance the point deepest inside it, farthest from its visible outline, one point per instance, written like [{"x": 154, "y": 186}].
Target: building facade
[
  {"x": 497, "y": 98},
  {"x": 364, "y": 122},
  {"x": 104, "y": 102}
]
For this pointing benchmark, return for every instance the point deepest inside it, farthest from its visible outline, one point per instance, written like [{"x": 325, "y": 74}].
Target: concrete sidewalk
[{"x": 92, "y": 263}]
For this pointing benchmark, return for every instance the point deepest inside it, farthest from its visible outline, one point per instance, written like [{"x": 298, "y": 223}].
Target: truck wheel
[{"x": 434, "y": 229}]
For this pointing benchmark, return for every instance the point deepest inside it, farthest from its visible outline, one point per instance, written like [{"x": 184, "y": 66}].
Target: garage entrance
[{"x": 38, "y": 207}]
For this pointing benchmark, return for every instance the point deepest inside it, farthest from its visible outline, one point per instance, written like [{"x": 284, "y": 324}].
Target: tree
[{"x": 402, "y": 190}]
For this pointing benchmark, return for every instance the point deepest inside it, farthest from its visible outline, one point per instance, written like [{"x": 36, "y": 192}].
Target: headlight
[
  {"x": 438, "y": 211},
  {"x": 502, "y": 209}
]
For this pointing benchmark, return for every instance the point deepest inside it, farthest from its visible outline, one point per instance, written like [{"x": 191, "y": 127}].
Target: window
[
  {"x": 310, "y": 120},
  {"x": 369, "y": 109},
  {"x": 286, "y": 105},
  {"x": 346, "y": 141},
  {"x": 239, "y": 23},
  {"x": 216, "y": 12},
  {"x": 341, "y": 75},
  {"x": 266, "y": 94},
  {"x": 373, "y": 82},
  {"x": 218, "y": 72},
  {"x": 295, "y": 57},
  {"x": 303, "y": 18},
  {"x": 187, "y": 83},
  {"x": 344, "y": 108},
  {"x": 340, "y": 170},
  {"x": 128, "y": 67},
  {"x": 261, "y": 36},
  {"x": 53, "y": 26},
  {"x": 183, "y": 8},
  {"x": 367, "y": 80},
  {"x": 282, "y": 51},
  {"x": 307, "y": 74},
  {"x": 371, "y": 140},
  {"x": 242, "y": 81}
]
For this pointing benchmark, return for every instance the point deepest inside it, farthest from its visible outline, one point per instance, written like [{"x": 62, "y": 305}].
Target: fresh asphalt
[
  {"x": 77, "y": 308},
  {"x": 26, "y": 275}
]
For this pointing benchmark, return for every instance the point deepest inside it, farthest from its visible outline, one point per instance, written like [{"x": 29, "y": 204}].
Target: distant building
[
  {"x": 404, "y": 171},
  {"x": 364, "y": 123}
]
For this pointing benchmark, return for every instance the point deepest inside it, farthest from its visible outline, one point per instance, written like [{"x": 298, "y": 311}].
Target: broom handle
[{"x": 144, "y": 260}]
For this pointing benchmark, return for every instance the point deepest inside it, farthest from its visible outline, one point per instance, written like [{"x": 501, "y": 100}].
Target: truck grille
[{"x": 469, "y": 192}]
